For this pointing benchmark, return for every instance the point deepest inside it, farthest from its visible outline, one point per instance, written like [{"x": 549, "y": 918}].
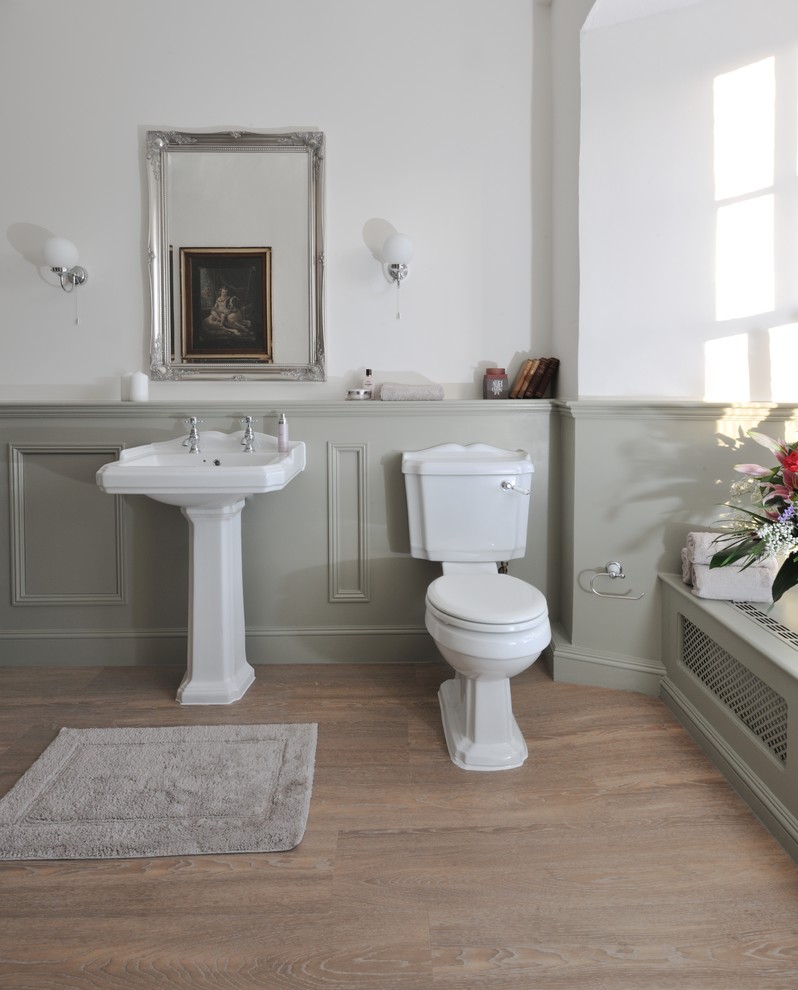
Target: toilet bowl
[
  {"x": 468, "y": 508},
  {"x": 488, "y": 628}
]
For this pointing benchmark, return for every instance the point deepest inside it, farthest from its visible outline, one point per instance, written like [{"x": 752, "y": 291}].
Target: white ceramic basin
[
  {"x": 210, "y": 487},
  {"x": 220, "y": 474}
]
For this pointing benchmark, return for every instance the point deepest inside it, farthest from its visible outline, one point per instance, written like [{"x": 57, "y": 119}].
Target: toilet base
[{"x": 479, "y": 725}]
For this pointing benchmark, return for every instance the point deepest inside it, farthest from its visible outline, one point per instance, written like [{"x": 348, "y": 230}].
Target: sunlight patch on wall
[
  {"x": 745, "y": 127},
  {"x": 744, "y": 162},
  {"x": 732, "y": 428},
  {"x": 744, "y": 261},
  {"x": 783, "y": 362},
  {"x": 726, "y": 375}
]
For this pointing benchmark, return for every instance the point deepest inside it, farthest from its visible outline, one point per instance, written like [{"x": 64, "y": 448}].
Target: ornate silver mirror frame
[{"x": 213, "y": 194}]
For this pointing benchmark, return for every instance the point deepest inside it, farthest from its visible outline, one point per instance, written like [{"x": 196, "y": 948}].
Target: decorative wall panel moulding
[
  {"x": 67, "y": 536},
  {"x": 347, "y": 526},
  {"x": 311, "y": 408},
  {"x": 662, "y": 409}
]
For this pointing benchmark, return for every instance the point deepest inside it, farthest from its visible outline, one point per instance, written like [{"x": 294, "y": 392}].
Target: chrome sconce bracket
[
  {"x": 70, "y": 277},
  {"x": 398, "y": 272}
]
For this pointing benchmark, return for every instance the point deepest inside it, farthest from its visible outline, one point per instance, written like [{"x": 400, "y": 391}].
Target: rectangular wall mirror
[{"x": 236, "y": 255}]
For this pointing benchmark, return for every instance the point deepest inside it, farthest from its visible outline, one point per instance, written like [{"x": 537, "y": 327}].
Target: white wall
[
  {"x": 650, "y": 323},
  {"x": 607, "y": 12},
  {"x": 427, "y": 112}
]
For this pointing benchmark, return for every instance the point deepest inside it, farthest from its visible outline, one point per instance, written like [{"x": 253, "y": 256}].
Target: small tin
[
  {"x": 358, "y": 393},
  {"x": 495, "y": 384}
]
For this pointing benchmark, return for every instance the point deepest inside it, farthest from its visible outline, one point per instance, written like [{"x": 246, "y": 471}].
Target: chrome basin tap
[
  {"x": 192, "y": 441},
  {"x": 248, "y": 440}
]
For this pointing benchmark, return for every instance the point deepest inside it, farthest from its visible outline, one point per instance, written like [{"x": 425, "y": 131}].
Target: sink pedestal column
[{"x": 218, "y": 672}]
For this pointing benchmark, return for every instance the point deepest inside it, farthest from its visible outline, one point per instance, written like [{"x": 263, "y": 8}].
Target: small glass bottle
[
  {"x": 368, "y": 384},
  {"x": 495, "y": 384}
]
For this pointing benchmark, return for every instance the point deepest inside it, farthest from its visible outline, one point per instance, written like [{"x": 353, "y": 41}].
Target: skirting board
[
  {"x": 776, "y": 818},
  {"x": 126, "y": 648},
  {"x": 572, "y": 665}
]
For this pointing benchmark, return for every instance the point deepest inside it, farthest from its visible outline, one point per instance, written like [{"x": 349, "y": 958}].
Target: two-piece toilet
[{"x": 468, "y": 507}]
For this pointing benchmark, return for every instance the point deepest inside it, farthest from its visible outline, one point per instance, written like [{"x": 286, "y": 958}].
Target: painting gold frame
[{"x": 226, "y": 304}]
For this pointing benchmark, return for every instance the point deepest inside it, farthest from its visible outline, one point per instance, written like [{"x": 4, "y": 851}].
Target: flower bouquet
[{"x": 770, "y": 528}]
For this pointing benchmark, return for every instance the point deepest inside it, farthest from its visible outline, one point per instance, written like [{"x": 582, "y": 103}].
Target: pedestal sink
[{"x": 210, "y": 487}]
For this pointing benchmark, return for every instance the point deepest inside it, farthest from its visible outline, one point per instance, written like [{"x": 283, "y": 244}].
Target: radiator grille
[
  {"x": 755, "y": 703},
  {"x": 756, "y": 613}
]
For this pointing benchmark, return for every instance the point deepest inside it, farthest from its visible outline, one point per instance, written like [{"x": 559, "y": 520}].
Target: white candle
[{"x": 139, "y": 387}]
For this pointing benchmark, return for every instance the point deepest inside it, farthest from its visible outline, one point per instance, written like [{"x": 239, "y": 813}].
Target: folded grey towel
[
  {"x": 732, "y": 583},
  {"x": 701, "y": 547},
  {"x": 394, "y": 392},
  {"x": 687, "y": 567}
]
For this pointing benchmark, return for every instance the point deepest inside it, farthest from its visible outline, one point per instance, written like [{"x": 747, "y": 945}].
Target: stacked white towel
[
  {"x": 701, "y": 547},
  {"x": 394, "y": 391},
  {"x": 732, "y": 583}
]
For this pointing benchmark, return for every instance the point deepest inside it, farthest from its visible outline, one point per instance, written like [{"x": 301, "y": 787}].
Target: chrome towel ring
[{"x": 612, "y": 570}]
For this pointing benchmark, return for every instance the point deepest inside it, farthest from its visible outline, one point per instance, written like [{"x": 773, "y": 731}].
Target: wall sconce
[
  {"x": 60, "y": 256},
  {"x": 397, "y": 253}
]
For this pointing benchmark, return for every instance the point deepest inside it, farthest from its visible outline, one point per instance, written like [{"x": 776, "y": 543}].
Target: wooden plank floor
[{"x": 616, "y": 858}]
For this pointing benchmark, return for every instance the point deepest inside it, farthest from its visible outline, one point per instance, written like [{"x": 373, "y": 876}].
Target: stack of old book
[{"x": 535, "y": 377}]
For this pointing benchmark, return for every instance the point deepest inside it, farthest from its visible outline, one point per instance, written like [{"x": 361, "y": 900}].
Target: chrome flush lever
[{"x": 510, "y": 486}]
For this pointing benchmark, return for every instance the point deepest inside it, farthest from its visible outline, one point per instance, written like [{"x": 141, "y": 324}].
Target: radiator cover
[{"x": 756, "y": 704}]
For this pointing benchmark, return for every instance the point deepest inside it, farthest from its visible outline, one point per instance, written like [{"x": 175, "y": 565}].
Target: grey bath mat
[{"x": 176, "y": 791}]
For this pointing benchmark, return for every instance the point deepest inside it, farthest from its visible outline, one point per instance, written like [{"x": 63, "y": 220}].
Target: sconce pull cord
[
  {"x": 77, "y": 315},
  {"x": 397, "y": 252}
]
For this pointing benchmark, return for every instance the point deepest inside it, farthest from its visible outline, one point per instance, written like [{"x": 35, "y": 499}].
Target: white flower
[{"x": 779, "y": 539}]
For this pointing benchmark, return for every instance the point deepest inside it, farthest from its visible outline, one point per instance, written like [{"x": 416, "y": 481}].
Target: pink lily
[
  {"x": 753, "y": 470},
  {"x": 777, "y": 491},
  {"x": 774, "y": 446}
]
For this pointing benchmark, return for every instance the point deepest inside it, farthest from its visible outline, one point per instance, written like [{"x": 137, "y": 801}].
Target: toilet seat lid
[{"x": 487, "y": 599}]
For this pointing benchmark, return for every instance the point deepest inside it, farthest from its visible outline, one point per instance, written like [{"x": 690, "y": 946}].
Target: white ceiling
[{"x": 607, "y": 12}]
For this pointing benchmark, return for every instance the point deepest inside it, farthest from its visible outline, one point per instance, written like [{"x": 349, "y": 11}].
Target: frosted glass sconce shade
[
  {"x": 61, "y": 256},
  {"x": 397, "y": 252},
  {"x": 60, "y": 253}
]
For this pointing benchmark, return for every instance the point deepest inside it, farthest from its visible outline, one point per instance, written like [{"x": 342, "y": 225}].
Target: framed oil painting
[{"x": 226, "y": 302}]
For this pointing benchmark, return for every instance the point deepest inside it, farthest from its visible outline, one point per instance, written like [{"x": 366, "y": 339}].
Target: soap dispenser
[{"x": 282, "y": 434}]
